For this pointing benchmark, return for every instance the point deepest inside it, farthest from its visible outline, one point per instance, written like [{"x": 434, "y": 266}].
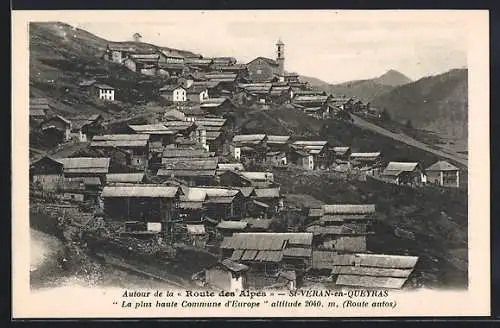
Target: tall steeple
[{"x": 280, "y": 57}]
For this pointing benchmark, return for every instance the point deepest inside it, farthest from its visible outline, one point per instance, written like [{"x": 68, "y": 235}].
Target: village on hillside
[{"x": 189, "y": 195}]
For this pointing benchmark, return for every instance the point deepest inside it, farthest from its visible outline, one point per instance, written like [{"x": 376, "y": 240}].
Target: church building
[{"x": 263, "y": 69}]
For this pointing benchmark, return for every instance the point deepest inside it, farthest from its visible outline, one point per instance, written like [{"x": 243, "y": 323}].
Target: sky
[{"x": 335, "y": 46}]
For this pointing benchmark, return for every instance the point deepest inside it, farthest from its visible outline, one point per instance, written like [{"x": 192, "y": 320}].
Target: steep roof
[
  {"x": 124, "y": 177},
  {"x": 375, "y": 270},
  {"x": 193, "y": 195},
  {"x": 269, "y": 61},
  {"x": 272, "y": 139},
  {"x": 442, "y": 166},
  {"x": 184, "y": 152},
  {"x": 255, "y": 223},
  {"x": 185, "y": 172},
  {"x": 120, "y": 140},
  {"x": 303, "y": 201},
  {"x": 266, "y": 240},
  {"x": 85, "y": 164},
  {"x": 213, "y": 102},
  {"x": 233, "y": 266},
  {"x": 232, "y": 225},
  {"x": 267, "y": 192},
  {"x": 196, "y": 89},
  {"x": 310, "y": 99},
  {"x": 249, "y": 138},
  {"x": 103, "y": 86},
  {"x": 341, "y": 150},
  {"x": 349, "y": 209},
  {"x": 171, "y": 87},
  {"x": 251, "y": 175},
  {"x": 306, "y": 143},
  {"x": 153, "y": 191},
  {"x": 151, "y": 129},
  {"x": 145, "y": 57},
  {"x": 246, "y": 191},
  {"x": 230, "y": 167},
  {"x": 209, "y": 163},
  {"x": 220, "y": 192},
  {"x": 401, "y": 166},
  {"x": 365, "y": 155},
  {"x": 36, "y": 112}
]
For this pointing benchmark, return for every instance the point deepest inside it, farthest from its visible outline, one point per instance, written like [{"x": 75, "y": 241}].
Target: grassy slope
[
  {"x": 60, "y": 57},
  {"x": 437, "y": 103},
  {"x": 296, "y": 123}
]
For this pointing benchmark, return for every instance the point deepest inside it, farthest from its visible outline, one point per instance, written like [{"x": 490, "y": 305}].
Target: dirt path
[{"x": 456, "y": 157}]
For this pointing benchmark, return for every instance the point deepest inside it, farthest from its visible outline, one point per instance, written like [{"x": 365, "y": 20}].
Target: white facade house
[
  {"x": 237, "y": 153},
  {"x": 310, "y": 162},
  {"x": 105, "y": 92},
  {"x": 179, "y": 95},
  {"x": 204, "y": 95}
]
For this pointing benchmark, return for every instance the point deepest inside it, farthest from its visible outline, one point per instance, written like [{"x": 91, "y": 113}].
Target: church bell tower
[{"x": 280, "y": 57}]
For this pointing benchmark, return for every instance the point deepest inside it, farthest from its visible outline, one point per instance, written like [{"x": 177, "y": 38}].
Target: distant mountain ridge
[
  {"x": 392, "y": 78},
  {"x": 438, "y": 103},
  {"x": 366, "y": 90}
]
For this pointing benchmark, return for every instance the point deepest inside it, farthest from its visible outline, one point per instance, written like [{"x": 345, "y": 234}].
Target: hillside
[
  {"x": 436, "y": 103},
  {"x": 61, "y": 56},
  {"x": 366, "y": 90},
  {"x": 296, "y": 123}
]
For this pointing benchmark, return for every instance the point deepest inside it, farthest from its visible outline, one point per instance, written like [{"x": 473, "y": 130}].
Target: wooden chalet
[
  {"x": 268, "y": 254},
  {"x": 56, "y": 129},
  {"x": 125, "y": 178},
  {"x": 134, "y": 146},
  {"x": 227, "y": 275},
  {"x": 322, "y": 155},
  {"x": 228, "y": 228},
  {"x": 443, "y": 174},
  {"x": 366, "y": 160},
  {"x": 47, "y": 173},
  {"x": 159, "y": 135},
  {"x": 195, "y": 171},
  {"x": 266, "y": 202},
  {"x": 86, "y": 128},
  {"x": 406, "y": 173},
  {"x": 216, "y": 133},
  {"x": 342, "y": 227},
  {"x": 342, "y": 154},
  {"x": 217, "y": 106},
  {"x": 365, "y": 270},
  {"x": 316, "y": 106},
  {"x": 154, "y": 206},
  {"x": 39, "y": 108},
  {"x": 249, "y": 147}
]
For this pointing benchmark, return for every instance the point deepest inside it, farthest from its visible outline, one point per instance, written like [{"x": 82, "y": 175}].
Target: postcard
[{"x": 315, "y": 163}]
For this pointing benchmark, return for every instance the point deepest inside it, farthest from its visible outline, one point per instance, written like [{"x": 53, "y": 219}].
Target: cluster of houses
[
  {"x": 195, "y": 80},
  {"x": 57, "y": 129},
  {"x": 189, "y": 178},
  {"x": 332, "y": 243}
]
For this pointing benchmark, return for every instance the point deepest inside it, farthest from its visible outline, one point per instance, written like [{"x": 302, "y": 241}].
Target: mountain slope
[
  {"x": 61, "y": 56},
  {"x": 436, "y": 103},
  {"x": 366, "y": 90},
  {"x": 392, "y": 78}
]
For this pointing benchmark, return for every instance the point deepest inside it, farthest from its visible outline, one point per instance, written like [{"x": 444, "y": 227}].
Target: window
[{"x": 259, "y": 71}]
